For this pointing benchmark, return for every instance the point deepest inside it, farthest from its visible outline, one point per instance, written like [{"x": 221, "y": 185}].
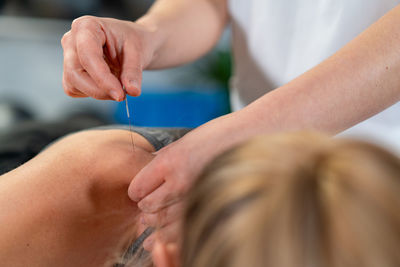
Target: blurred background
[
  {"x": 31, "y": 74},
  {"x": 31, "y": 70}
]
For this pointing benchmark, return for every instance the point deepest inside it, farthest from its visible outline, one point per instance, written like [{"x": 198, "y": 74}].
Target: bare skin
[
  {"x": 68, "y": 206},
  {"x": 102, "y": 54},
  {"x": 357, "y": 82}
]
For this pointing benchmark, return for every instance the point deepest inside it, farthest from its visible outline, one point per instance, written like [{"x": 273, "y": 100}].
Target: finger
[
  {"x": 131, "y": 75},
  {"x": 70, "y": 90},
  {"x": 68, "y": 47},
  {"x": 147, "y": 180},
  {"x": 65, "y": 40},
  {"x": 161, "y": 250},
  {"x": 85, "y": 84},
  {"x": 89, "y": 49},
  {"x": 163, "y": 217},
  {"x": 82, "y": 84},
  {"x": 165, "y": 195},
  {"x": 71, "y": 64}
]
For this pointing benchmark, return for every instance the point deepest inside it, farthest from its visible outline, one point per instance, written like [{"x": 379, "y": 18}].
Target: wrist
[
  {"x": 236, "y": 127},
  {"x": 222, "y": 133},
  {"x": 152, "y": 39}
]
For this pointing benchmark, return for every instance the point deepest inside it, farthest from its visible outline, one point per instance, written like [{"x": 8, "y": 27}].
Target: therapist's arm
[
  {"x": 182, "y": 30},
  {"x": 357, "y": 82},
  {"x": 102, "y": 54},
  {"x": 360, "y": 80}
]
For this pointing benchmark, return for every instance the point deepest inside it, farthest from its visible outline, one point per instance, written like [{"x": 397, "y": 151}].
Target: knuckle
[
  {"x": 64, "y": 39},
  {"x": 83, "y": 21}
]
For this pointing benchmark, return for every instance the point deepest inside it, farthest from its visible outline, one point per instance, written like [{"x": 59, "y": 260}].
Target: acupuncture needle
[{"x": 129, "y": 119}]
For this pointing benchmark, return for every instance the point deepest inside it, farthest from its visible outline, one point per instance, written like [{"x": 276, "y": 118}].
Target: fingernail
[
  {"x": 115, "y": 95},
  {"x": 136, "y": 87}
]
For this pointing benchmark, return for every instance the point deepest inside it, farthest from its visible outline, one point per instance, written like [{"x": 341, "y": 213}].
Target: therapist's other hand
[
  {"x": 161, "y": 185},
  {"x": 167, "y": 178},
  {"x": 101, "y": 55}
]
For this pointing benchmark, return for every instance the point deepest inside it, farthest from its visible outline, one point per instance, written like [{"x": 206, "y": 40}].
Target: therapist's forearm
[
  {"x": 182, "y": 31},
  {"x": 360, "y": 80}
]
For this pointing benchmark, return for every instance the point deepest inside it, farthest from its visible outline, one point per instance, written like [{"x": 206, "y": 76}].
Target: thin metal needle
[{"x": 129, "y": 120}]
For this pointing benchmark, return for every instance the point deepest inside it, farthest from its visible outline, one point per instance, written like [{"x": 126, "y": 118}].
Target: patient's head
[{"x": 292, "y": 200}]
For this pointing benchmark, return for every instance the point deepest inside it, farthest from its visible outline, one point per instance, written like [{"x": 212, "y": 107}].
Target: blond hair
[{"x": 295, "y": 200}]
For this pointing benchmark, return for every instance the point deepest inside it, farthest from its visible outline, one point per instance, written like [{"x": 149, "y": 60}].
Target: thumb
[
  {"x": 131, "y": 74},
  {"x": 146, "y": 181}
]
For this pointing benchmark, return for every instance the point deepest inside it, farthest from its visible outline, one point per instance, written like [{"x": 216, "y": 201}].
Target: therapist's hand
[
  {"x": 165, "y": 180},
  {"x": 103, "y": 54},
  {"x": 162, "y": 184},
  {"x": 160, "y": 187}
]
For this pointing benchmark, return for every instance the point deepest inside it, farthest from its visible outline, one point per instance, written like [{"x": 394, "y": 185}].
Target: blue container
[{"x": 174, "y": 108}]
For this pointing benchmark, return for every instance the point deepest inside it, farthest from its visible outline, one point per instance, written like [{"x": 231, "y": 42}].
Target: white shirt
[{"x": 274, "y": 41}]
